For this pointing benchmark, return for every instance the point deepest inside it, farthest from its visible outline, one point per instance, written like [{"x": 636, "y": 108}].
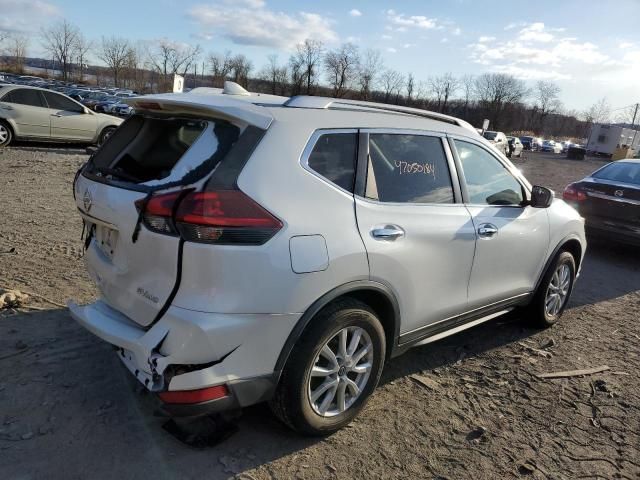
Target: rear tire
[
  {"x": 554, "y": 292},
  {"x": 6, "y": 134},
  {"x": 341, "y": 384},
  {"x": 105, "y": 134}
]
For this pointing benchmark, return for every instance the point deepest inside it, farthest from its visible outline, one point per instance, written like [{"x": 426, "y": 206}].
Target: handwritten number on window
[{"x": 411, "y": 168}]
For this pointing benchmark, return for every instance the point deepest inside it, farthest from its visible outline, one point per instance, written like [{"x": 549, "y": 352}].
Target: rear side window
[
  {"x": 58, "y": 102},
  {"x": 24, "y": 96},
  {"x": 334, "y": 157},
  {"x": 408, "y": 169},
  {"x": 488, "y": 181}
]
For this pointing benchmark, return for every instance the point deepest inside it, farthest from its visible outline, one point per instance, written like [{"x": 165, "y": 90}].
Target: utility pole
[{"x": 635, "y": 113}]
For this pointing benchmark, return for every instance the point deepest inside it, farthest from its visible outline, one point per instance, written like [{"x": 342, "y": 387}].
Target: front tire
[
  {"x": 554, "y": 291},
  {"x": 105, "y": 134},
  {"x": 332, "y": 370},
  {"x": 6, "y": 135}
]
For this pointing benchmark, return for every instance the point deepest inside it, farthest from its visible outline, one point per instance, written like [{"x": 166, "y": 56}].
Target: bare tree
[
  {"x": 17, "y": 51},
  {"x": 306, "y": 61},
  {"x": 241, "y": 66},
  {"x": 599, "y": 112},
  {"x": 627, "y": 115},
  {"x": 297, "y": 74},
  {"x": 443, "y": 88},
  {"x": 547, "y": 102},
  {"x": 220, "y": 67},
  {"x": 370, "y": 67},
  {"x": 467, "y": 86},
  {"x": 496, "y": 92},
  {"x": 277, "y": 75},
  {"x": 269, "y": 72},
  {"x": 341, "y": 66},
  {"x": 113, "y": 52},
  {"x": 391, "y": 82},
  {"x": 81, "y": 48},
  {"x": 134, "y": 74},
  {"x": 59, "y": 41},
  {"x": 170, "y": 58},
  {"x": 410, "y": 87}
]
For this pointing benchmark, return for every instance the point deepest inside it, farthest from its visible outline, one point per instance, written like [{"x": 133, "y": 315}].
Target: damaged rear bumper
[{"x": 190, "y": 350}]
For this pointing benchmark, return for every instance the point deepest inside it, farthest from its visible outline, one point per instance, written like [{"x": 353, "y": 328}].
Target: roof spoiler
[{"x": 207, "y": 106}]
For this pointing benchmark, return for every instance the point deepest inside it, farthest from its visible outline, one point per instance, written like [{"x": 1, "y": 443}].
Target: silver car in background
[{"x": 30, "y": 113}]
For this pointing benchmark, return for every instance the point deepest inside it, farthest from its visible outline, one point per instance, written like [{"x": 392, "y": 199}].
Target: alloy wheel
[
  {"x": 558, "y": 290},
  {"x": 340, "y": 371},
  {"x": 4, "y": 134}
]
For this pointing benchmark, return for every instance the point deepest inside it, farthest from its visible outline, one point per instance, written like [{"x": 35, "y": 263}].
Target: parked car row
[
  {"x": 99, "y": 99},
  {"x": 539, "y": 144}
]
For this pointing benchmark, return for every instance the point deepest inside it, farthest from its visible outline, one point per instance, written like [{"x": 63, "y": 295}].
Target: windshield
[
  {"x": 490, "y": 135},
  {"x": 624, "y": 172}
]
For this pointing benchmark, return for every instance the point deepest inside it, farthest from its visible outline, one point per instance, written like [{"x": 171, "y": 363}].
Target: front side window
[
  {"x": 334, "y": 157},
  {"x": 408, "y": 169},
  {"x": 488, "y": 181},
  {"x": 58, "y": 102},
  {"x": 24, "y": 96}
]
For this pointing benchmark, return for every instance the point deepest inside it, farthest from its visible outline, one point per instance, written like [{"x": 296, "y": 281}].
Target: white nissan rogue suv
[{"x": 250, "y": 247}]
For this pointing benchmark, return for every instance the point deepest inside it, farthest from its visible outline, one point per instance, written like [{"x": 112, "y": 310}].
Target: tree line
[{"x": 345, "y": 71}]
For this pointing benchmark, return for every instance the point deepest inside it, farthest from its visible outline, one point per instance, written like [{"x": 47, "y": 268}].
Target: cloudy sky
[{"x": 590, "y": 48}]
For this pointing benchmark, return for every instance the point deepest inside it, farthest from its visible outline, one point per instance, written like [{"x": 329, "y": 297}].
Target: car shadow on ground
[
  {"x": 66, "y": 384},
  {"x": 609, "y": 271}
]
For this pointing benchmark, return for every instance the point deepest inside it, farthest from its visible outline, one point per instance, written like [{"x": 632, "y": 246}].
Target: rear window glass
[
  {"x": 334, "y": 157},
  {"x": 624, "y": 172},
  {"x": 145, "y": 148}
]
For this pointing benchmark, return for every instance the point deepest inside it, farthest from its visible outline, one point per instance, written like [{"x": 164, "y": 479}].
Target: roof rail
[{"x": 303, "y": 101}]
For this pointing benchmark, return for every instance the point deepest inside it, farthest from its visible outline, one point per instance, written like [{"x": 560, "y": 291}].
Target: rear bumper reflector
[{"x": 194, "y": 396}]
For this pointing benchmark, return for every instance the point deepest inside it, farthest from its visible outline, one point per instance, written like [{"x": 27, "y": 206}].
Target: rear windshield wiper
[{"x": 115, "y": 173}]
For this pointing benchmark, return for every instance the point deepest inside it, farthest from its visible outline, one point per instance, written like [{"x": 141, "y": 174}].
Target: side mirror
[{"x": 541, "y": 197}]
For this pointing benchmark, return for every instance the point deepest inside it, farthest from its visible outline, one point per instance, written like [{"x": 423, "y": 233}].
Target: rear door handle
[
  {"x": 487, "y": 230},
  {"x": 387, "y": 232},
  {"x": 56, "y": 115}
]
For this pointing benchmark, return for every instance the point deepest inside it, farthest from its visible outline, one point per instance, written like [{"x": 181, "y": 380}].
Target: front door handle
[
  {"x": 56, "y": 115},
  {"x": 487, "y": 230},
  {"x": 387, "y": 232}
]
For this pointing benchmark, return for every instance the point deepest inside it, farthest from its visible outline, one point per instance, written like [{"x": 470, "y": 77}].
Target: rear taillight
[
  {"x": 223, "y": 217},
  {"x": 227, "y": 216},
  {"x": 573, "y": 194},
  {"x": 158, "y": 212}
]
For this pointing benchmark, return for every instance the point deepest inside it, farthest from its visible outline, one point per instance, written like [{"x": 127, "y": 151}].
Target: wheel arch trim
[
  {"x": 332, "y": 295},
  {"x": 569, "y": 238}
]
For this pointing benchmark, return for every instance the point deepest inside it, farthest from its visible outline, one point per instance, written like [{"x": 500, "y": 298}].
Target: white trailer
[{"x": 606, "y": 138}]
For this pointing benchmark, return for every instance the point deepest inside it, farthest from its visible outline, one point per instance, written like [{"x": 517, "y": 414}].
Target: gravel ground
[{"x": 469, "y": 406}]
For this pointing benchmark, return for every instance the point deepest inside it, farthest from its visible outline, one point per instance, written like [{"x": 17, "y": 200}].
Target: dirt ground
[{"x": 68, "y": 410}]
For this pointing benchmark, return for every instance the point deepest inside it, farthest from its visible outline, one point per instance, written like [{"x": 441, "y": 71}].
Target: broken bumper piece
[{"x": 189, "y": 351}]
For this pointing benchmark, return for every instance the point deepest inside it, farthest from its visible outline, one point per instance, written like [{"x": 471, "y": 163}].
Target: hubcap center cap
[{"x": 342, "y": 371}]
